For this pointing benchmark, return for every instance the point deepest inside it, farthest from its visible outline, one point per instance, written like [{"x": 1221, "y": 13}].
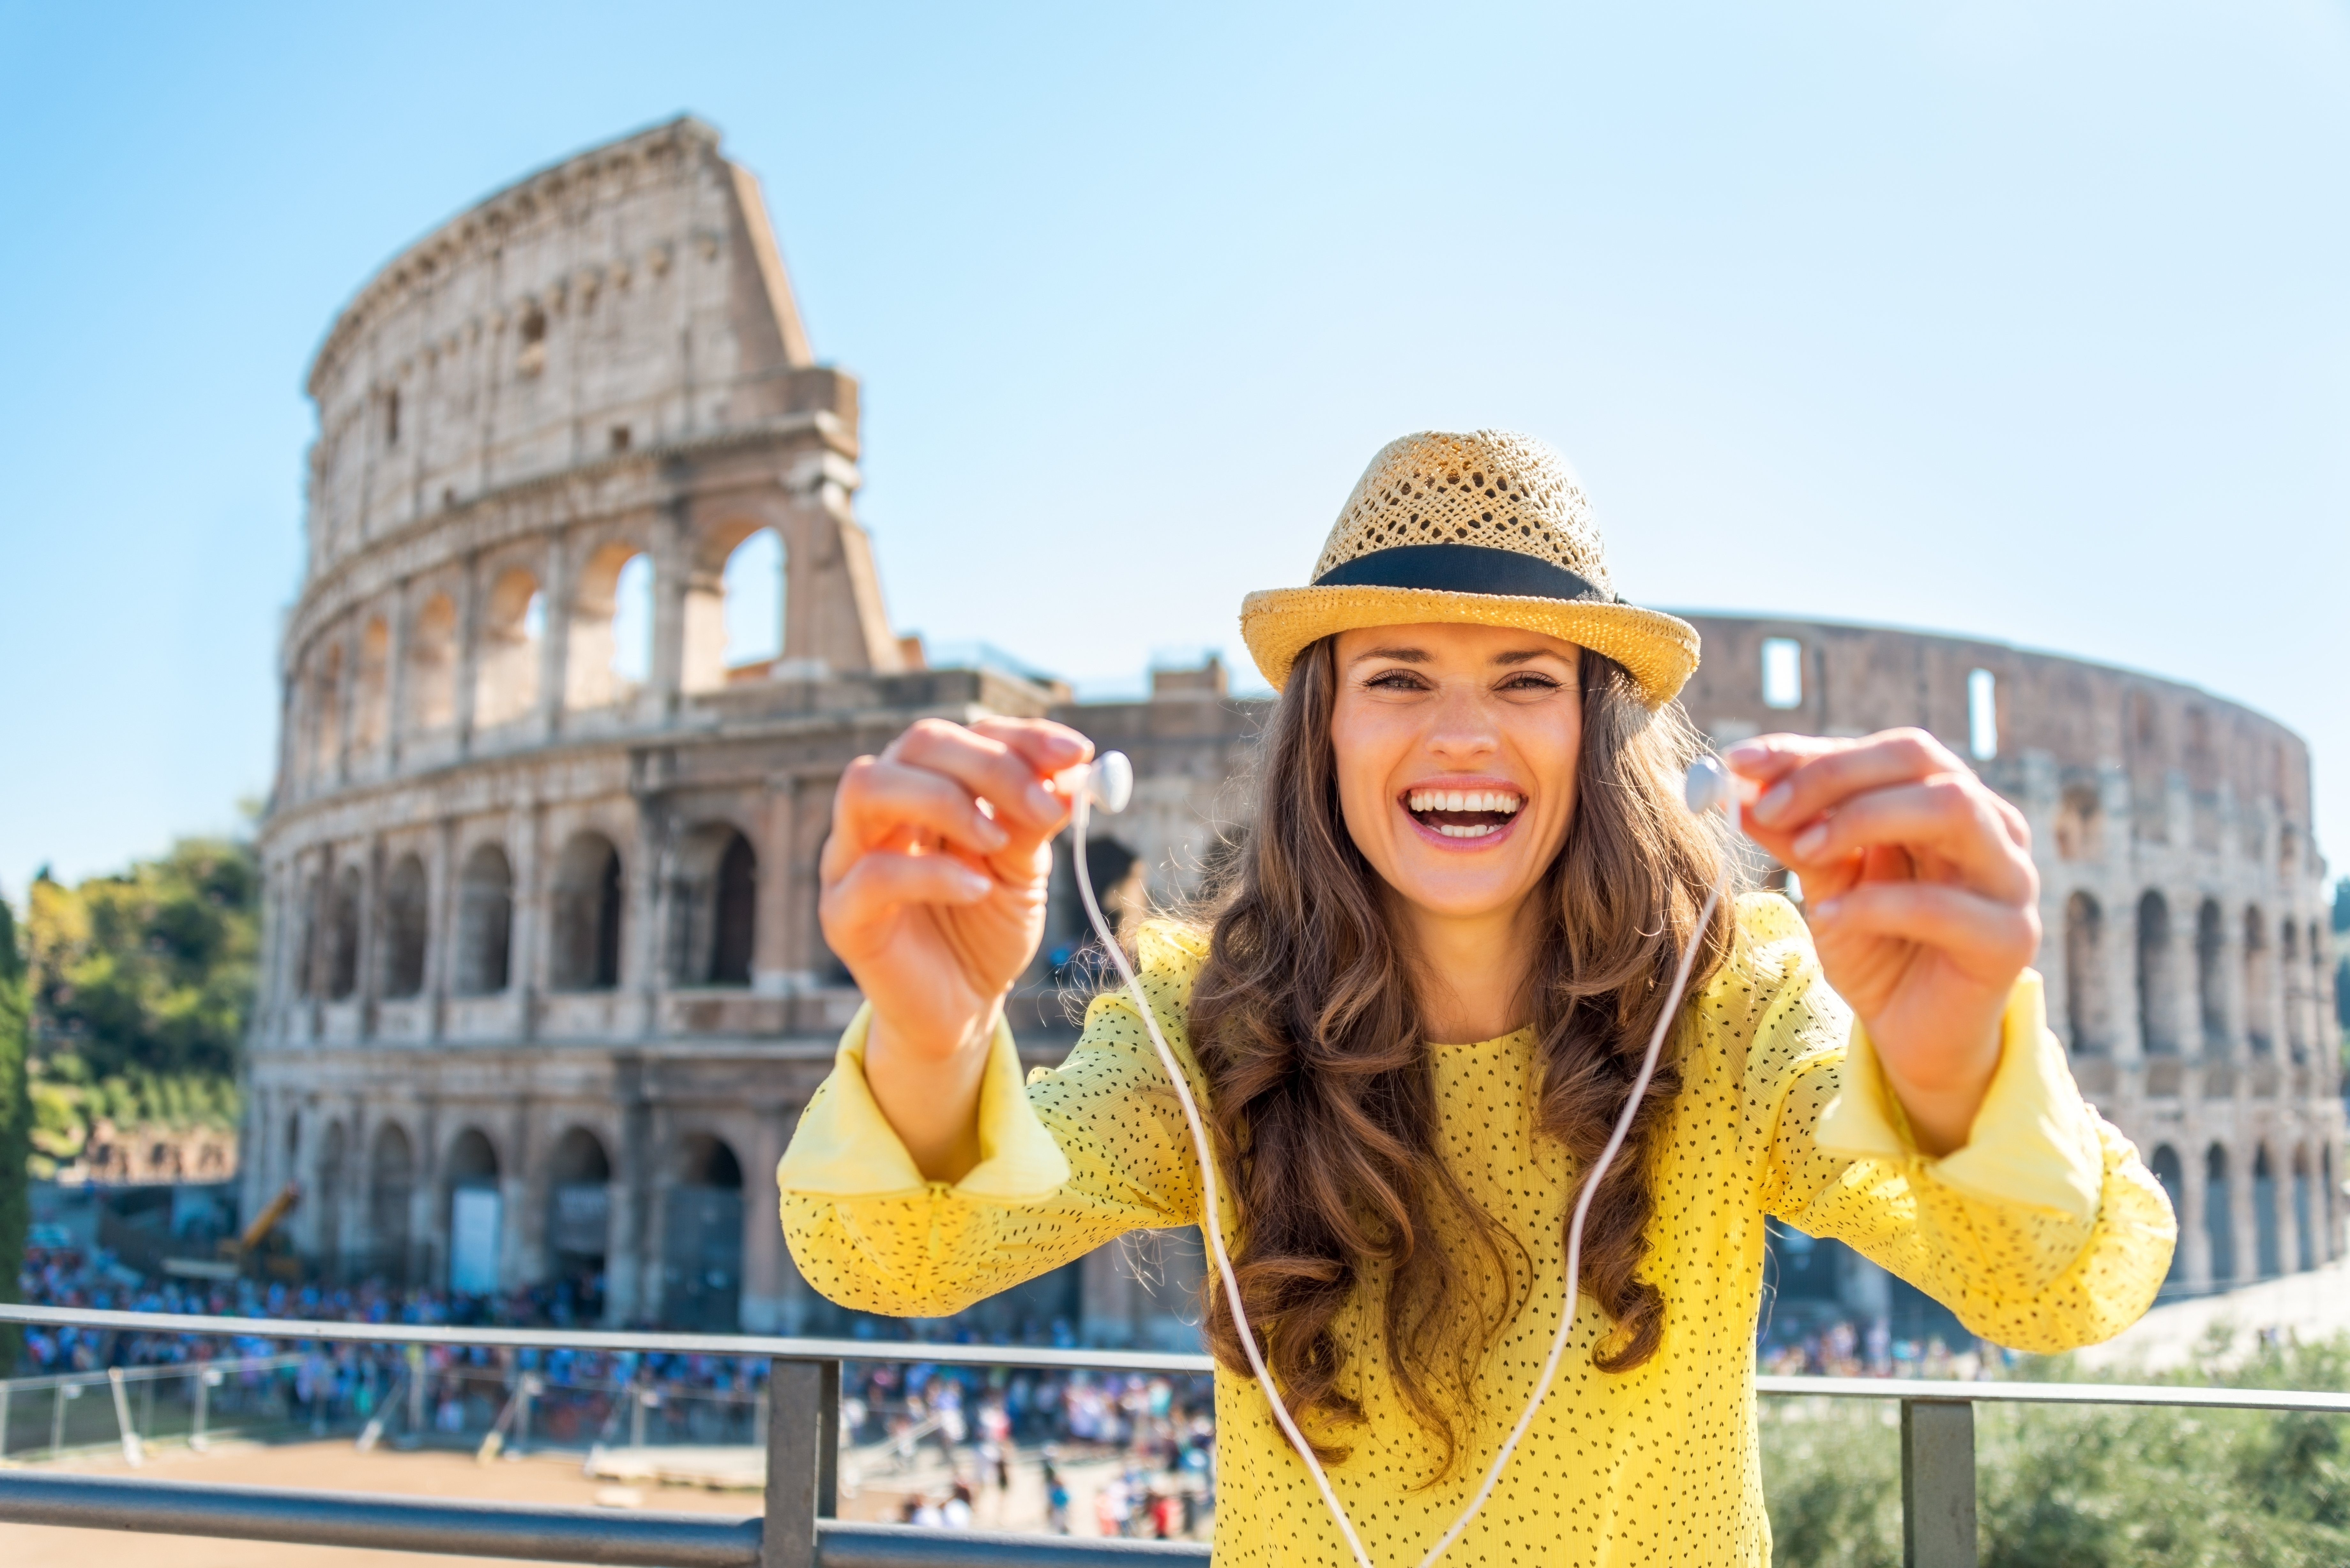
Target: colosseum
[{"x": 589, "y": 629}]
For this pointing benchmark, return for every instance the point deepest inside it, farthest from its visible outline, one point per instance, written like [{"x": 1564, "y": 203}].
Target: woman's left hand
[{"x": 1922, "y": 900}]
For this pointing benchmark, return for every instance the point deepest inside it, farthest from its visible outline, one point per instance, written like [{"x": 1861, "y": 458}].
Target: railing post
[
  {"x": 803, "y": 1427},
  {"x": 203, "y": 1402},
  {"x": 1938, "y": 1483},
  {"x": 4, "y": 1418}
]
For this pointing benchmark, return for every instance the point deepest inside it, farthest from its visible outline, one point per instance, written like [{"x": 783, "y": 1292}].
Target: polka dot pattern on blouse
[{"x": 1657, "y": 1465}]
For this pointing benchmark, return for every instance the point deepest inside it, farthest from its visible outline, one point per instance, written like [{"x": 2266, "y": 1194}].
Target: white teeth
[
  {"x": 1493, "y": 800},
  {"x": 1478, "y": 830}
]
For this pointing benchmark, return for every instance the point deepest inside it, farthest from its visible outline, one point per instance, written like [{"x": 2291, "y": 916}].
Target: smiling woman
[{"x": 1416, "y": 1016}]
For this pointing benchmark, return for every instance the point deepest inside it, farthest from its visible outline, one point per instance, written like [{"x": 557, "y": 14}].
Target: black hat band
[{"x": 1462, "y": 569}]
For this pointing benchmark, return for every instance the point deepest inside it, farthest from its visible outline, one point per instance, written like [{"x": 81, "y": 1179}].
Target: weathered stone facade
[
  {"x": 542, "y": 987},
  {"x": 2186, "y": 950}
]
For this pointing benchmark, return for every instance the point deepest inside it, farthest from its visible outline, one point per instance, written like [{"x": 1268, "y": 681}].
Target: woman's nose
[{"x": 1462, "y": 727}]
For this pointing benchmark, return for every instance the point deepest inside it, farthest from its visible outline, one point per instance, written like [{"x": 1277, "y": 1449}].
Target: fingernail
[
  {"x": 1745, "y": 751},
  {"x": 1823, "y": 910},
  {"x": 1043, "y": 802},
  {"x": 987, "y": 835},
  {"x": 972, "y": 883},
  {"x": 1775, "y": 800},
  {"x": 1811, "y": 841}
]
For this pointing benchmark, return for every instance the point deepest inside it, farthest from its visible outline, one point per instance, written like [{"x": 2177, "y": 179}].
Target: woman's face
[{"x": 1456, "y": 750}]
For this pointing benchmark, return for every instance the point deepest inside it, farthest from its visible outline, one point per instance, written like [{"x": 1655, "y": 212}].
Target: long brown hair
[{"x": 1323, "y": 1098}]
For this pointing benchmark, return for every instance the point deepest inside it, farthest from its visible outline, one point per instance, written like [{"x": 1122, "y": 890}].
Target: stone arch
[
  {"x": 407, "y": 927},
  {"x": 431, "y": 683},
  {"x": 371, "y": 691},
  {"x": 715, "y": 906},
  {"x": 752, "y": 581},
  {"x": 609, "y": 654},
  {"x": 2219, "y": 1214},
  {"x": 484, "y": 922},
  {"x": 2315, "y": 988},
  {"x": 2210, "y": 976},
  {"x": 702, "y": 1245},
  {"x": 2089, "y": 1014},
  {"x": 2172, "y": 1177},
  {"x": 738, "y": 582},
  {"x": 2158, "y": 1011},
  {"x": 578, "y": 1216},
  {"x": 343, "y": 935},
  {"x": 474, "y": 1209},
  {"x": 586, "y": 925},
  {"x": 2268, "y": 1242},
  {"x": 507, "y": 682},
  {"x": 391, "y": 1183},
  {"x": 2260, "y": 984}
]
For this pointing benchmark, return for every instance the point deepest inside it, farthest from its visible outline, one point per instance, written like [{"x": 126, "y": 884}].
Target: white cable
[{"x": 1111, "y": 779}]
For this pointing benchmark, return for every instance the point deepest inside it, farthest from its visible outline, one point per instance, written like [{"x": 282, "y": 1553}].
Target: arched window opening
[
  {"x": 702, "y": 1243},
  {"x": 392, "y": 1183},
  {"x": 716, "y": 905},
  {"x": 1982, "y": 714},
  {"x": 2086, "y": 1012},
  {"x": 371, "y": 700},
  {"x": 2304, "y": 1229},
  {"x": 2158, "y": 1011},
  {"x": 2081, "y": 823},
  {"x": 432, "y": 665},
  {"x": 343, "y": 937},
  {"x": 2314, "y": 993},
  {"x": 407, "y": 924},
  {"x": 326, "y": 710},
  {"x": 611, "y": 653},
  {"x": 2173, "y": 1177},
  {"x": 2260, "y": 986},
  {"x": 2210, "y": 976},
  {"x": 2219, "y": 1214},
  {"x": 754, "y": 583},
  {"x": 476, "y": 1214},
  {"x": 508, "y": 686},
  {"x": 332, "y": 1176},
  {"x": 530, "y": 337},
  {"x": 2268, "y": 1246},
  {"x": 392, "y": 416},
  {"x": 587, "y": 924},
  {"x": 578, "y": 1223},
  {"x": 484, "y": 922}
]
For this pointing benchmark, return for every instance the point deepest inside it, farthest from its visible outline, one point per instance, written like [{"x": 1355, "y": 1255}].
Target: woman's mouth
[{"x": 1463, "y": 812}]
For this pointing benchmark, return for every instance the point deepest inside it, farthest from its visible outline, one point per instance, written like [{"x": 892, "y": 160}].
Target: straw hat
[{"x": 1489, "y": 528}]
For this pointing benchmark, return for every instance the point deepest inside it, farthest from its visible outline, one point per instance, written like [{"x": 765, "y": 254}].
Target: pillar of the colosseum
[
  {"x": 624, "y": 1265},
  {"x": 2194, "y": 1234},
  {"x": 766, "y": 1265},
  {"x": 440, "y": 943},
  {"x": 395, "y": 675},
  {"x": 370, "y": 988},
  {"x": 469, "y": 649},
  {"x": 643, "y": 927},
  {"x": 521, "y": 1223},
  {"x": 527, "y": 967},
  {"x": 560, "y": 579},
  {"x": 2243, "y": 1213}
]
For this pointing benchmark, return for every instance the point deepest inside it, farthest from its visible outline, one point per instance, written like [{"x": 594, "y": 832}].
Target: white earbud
[
  {"x": 1706, "y": 787},
  {"x": 1109, "y": 782}
]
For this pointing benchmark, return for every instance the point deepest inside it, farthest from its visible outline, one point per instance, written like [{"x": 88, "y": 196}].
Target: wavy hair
[{"x": 1324, "y": 1103}]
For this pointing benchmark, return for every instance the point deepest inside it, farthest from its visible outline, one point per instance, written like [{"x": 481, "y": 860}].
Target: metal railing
[{"x": 799, "y": 1529}]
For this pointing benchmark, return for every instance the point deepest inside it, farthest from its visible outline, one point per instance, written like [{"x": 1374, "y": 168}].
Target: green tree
[
  {"x": 16, "y": 1123},
  {"x": 147, "y": 976}
]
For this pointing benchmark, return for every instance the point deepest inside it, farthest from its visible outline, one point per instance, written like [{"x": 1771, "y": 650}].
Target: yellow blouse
[{"x": 2045, "y": 1232}]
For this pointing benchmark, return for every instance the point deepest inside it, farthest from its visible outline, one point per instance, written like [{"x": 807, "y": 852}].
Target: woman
[{"x": 1414, "y": 1017}]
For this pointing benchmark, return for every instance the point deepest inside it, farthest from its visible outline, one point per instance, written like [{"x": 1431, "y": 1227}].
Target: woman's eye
[
  {"x": 1394, "y": 680},
  {"x": 1529, "y": 680}
]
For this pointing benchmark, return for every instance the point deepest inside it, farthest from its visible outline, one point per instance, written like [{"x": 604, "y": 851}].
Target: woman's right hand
[{"x": 934, "y": 883}]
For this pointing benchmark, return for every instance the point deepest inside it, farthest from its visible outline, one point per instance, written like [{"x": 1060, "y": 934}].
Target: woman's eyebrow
[
  {"x": 1400, "y": 655},
  {"x": 1525, "y": 655}
]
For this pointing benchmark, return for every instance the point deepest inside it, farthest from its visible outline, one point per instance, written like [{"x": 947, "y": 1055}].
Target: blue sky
[{"x": 2029, "y": 321}]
